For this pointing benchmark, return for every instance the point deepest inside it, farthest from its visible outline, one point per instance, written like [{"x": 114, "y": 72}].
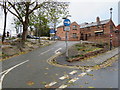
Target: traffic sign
[
  {"x": 66, "y": 28},
  {"x": 67, "y": 22},
  {"x": 52, "y": 31}
]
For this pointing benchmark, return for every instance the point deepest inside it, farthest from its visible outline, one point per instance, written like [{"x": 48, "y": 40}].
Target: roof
[
  {"x": 84, "y": 25},
  {"x": 118, "y": 27}
]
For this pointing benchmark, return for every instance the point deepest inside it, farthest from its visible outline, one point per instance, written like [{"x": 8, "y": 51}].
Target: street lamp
[
  {"x": 66, "y": 17},
  {"x": 66, "y": 35},
  {"x": 110, "y": 29}
]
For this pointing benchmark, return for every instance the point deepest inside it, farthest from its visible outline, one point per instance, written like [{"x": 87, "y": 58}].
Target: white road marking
[
  {"x": 73, "y": 80},
  {"x": 46, "y": 51},
  {"x": 88, "y": 70},
  {"x": 63, "y": 86},
  {"x": 67, "y": 76},
  {"x": 50, "y": 84},
  {"x": 82, "y": 74},
  {"x": 3, "y": 72},
  {"x": 64, "y": 77},
  {"x": 73, "y": 72},
  {"x": 8, "y": 70},
  {"x": 57, "y": 51}
]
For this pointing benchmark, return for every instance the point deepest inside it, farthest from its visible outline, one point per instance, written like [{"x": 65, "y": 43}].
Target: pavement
[{"x": 91, "y": 61}]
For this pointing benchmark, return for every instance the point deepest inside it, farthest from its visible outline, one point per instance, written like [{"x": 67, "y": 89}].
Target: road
[
  {"x": 102, "y": 78},
  {"x": 31, "y": 70}
]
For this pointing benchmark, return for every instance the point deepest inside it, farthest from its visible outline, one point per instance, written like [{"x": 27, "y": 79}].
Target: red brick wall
[
  {"x": 105, "y": 38},
  {"x": 118, "y": 27},
  {"x": 61, "y": 33}
]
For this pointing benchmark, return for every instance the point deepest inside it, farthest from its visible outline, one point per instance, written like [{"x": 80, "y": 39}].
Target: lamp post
[
  {"x": 110, "y": 29},
  {"x": 66, "y": 24}
]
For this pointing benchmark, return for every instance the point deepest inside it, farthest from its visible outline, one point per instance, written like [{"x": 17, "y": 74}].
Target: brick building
[
  {"x": 118, "y": 27},
  {"x": 73, "y": 34},
  {"x": 117, "y": 34},
  {"x": 100, "y": 31}
]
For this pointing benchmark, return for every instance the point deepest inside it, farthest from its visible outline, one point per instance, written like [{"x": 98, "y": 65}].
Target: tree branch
[
  {"x": 18, "y": 14},
  {"x": 36, "y": 7},
  {"x": 15, "y": 15}
]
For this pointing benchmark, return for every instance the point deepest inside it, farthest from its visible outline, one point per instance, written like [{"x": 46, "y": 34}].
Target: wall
[
  {"x": 89, "y": 34},
  {"x": 61, "y": 33}
]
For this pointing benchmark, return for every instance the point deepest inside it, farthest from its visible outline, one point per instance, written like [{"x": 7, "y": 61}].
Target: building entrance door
[
  {"x": 82, "y": 36},
  {"x": 85, "y": 36}
]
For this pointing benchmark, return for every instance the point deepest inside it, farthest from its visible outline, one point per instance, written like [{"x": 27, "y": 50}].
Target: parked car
[
  {"x": 45, "y": 38},
  {"x": 19, "y": 35},
  {"x": 29, "y": 36},
  {"x": 55, "y": 38},
  {"x": 32, "y": 37}
]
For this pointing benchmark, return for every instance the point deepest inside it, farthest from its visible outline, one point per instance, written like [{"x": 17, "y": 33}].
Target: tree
[
  {"x": 4, "y": 7},
  {"x": 22, "y": 10},
  {"x": 56, "y": 10},
  {"x": 18, "y": 25}
]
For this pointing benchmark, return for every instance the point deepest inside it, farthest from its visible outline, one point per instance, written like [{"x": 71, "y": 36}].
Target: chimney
[
  {"x": 86, "y": 23},
  {"x": 98, "y": 20}
]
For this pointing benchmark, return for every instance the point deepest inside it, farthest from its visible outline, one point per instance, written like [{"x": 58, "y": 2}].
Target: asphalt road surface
[{"x": 32, "y": 70}]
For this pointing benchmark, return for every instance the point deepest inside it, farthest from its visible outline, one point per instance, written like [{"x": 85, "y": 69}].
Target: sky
[
  {"x": 81, "y": 11},
  {"x": 88, "y": 11}
]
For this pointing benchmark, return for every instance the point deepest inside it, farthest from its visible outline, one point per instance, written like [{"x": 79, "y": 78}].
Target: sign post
[
  {"x": 67, "y": 29},
  {"x": 110, "y": 41},
  {"x": 52, "y": 33}
]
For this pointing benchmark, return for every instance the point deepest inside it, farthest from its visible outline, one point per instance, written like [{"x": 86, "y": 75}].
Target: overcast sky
[
  {"x": 88, "y": 11},
  {"x": 83, "y": 11}
]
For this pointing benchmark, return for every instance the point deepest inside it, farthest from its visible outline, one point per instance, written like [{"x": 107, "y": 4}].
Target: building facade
[
  {"x": 117, "y": 34},
  {"x": 73, "y": 34},
  {"x": 100, "y": 31}
]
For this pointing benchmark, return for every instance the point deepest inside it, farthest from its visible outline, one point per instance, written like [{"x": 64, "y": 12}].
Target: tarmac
[{"x": 96, "y": 60}]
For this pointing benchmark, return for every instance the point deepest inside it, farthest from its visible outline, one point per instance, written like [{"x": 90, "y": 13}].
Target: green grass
[
  {"x": 76, "y": 56},
  {"x": 79, "y": 48}
]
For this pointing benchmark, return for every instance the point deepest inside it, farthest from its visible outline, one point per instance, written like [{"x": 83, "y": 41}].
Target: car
[
  {"x": 19, "y": 35},
  {"x": 44, "y": 38},
  {"x": 34, "y": 37},
  {"x": 55, "y": 38},
  {"x": 29, "y": 36}
]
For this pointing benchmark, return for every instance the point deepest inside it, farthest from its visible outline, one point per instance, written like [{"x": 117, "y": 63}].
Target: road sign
[
  {"x": 66, "y": 28},
  {"x": 66, "y": 22},
  {"x": 52, "y": 31}
]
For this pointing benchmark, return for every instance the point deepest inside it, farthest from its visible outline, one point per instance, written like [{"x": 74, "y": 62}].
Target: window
[
  {"x": 89, "y": 34},
  {"x": 111, "y": 26},
  {"x": 98, "y": 33},
  {"x": 74, "y": 27},
  {"x": 74, "y": 35},
  {"x": 103, "y": 26},
  {"x": 97, "y": 27},
  {"x": 88, "y": 28}
]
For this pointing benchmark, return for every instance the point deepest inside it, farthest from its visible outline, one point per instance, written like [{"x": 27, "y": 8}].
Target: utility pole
[{"x": 110, "y": 29}]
